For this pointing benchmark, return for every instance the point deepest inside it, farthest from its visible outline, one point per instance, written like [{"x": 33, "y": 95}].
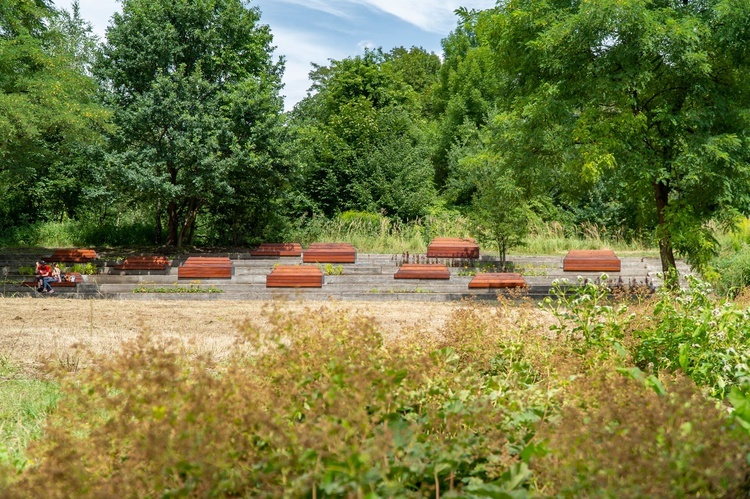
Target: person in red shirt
[{"x": 42, "y": 270}]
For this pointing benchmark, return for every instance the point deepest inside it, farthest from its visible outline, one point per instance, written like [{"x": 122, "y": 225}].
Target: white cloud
[
  {"x": 366, "y": 45},
  {"x": 300, "y": 49},
  {"x": 434, "y": 16},
  {"x": 327, "y": 6}
]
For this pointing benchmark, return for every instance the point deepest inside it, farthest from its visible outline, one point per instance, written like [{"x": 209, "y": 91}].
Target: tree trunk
[
  {"x": 158, "y": 237},
  {"x": 172, "y": 224},
  {"x": 661, "y": 191}
]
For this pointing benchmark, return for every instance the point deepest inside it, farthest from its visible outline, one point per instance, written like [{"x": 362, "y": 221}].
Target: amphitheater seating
[
  {"x": 295, "y": 276},
  {"x": 330, "y": 253},
  {"x": 591, "y": 261},
  {"x": 73, "y": 255},
  {"x": 453, "y": 247},
  {"x": 203, "y": 267},
  {"x": 76, "y": 277},
  {"x": 490, "y": 280},
  {"x": 274, "y": 250},
  {"x": 144, "y": 263},
  {"x": 422, "y": 271}
]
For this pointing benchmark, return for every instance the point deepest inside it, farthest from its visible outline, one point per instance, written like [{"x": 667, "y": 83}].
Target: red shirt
[{"x": 44, "y": 270}]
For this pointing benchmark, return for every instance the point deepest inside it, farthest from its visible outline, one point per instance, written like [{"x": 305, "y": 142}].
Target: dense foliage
[
  {"x": 496, "y": 403},
  {"x": 628, "y": 116}
]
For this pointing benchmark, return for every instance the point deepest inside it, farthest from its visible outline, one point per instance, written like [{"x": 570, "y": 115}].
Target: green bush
[{"x": 731, "y": 273}]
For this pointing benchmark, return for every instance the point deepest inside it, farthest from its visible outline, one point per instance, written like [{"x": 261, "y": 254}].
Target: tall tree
[
  {"x": 48, "y": 114},
  {"x": 362, "y": 138},
  {"x": 196, "y": 97},
  {"x": 652, "y": 93}
]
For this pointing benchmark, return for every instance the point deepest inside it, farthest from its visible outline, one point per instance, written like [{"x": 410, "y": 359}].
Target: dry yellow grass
[{"x": 33, "y": 330}]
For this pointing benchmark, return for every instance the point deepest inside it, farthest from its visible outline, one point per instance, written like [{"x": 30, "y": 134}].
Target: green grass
[
  {"x": 377, "y": 234},
  {"x": 24, "y": 406}
]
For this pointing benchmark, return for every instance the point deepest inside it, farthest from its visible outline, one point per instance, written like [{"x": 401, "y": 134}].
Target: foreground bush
[{"x": 319, "y": 404}]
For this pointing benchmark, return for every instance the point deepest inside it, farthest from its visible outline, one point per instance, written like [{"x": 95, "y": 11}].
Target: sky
[{"x": 314, "y": 31}]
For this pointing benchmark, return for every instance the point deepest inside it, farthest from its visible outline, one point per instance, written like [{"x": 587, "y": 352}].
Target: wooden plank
[
  {"x": 591, "y": 261},
  {"x": 295, "y": 276},
  {"x": 277, "y": 250},
  {"x": 144, "y": 263},
  {"x": 73, "y": 255},
  {"x": 330, "y": 253},
  {"x": 493, "y": 280},
  {"x": 205, "y": 267},
  {"x": 453, "y": 247},
  {"x": 64, "y": 284},
  {"x": 422, "y": 271}
]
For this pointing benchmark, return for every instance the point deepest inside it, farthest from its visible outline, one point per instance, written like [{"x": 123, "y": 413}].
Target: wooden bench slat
[
  {"x": 591, "y": 261},
  {"x": 295, "y": 276},
  {"x": 206, "y": 267},
  {"x": 144, "y": 263},
  {"x": 453, "y": 247},
  {"x": 422, "y": 271},
  {"x": 277, "y": 250},
  {"x": 491, "y": 280},
  {"x": 73, "y": 255},
  {"x": 63, "y": 284},
  {"x": 330, "y": 253}
]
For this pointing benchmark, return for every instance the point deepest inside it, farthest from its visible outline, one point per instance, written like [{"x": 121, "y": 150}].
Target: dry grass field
[{"x": 33, "y": 330}]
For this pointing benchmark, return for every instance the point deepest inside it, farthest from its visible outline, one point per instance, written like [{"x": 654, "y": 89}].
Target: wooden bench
[
  {"x": 295, "y": 276},
  {"x": 76, "y": 277},
  {"x": 453, "y": 247},
  {"x": 330, "y": 253},
  {"x": 73, "y": 255},
  {"x": 489, "y": 280},
  {"x": 273, "y": 250},
  {"x": 591, "y": 261},
  {"x": 144, "y": 263},
  {"x": 205, "y": 267},
  {"x": 422, "y": 271}
]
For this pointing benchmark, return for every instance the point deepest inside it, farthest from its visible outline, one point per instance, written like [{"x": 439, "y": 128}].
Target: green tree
[
  {"x": 653, "y": 94},
  {"x": 362, "y": 137},
  {"x": 464, "y": 100},
  {"x": 49, "y": 114},
  {"x": 500, "y": 212},
  {"x": 195, "y": 94}
]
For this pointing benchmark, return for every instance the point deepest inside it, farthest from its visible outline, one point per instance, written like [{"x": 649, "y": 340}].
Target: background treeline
[{"x": 628, "y": 117}]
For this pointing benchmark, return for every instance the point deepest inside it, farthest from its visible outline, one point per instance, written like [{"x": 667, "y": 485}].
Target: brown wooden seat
[
  {"x": 144, "y": 263},
  {"x": 453, "y": 247},
  {"x": 74, "y": 255},
  {"x": 205, "y": 267},
  {"x": 330, "y": 253},
  {"x": 591, "y": 261},
  {"x": 295, "y": 276},
  {"x": 489, "y": 280},
  {"x": 422, "y": 271},
  {"x": 76, "y": 279},
  {"x": 277, "y": 250}
]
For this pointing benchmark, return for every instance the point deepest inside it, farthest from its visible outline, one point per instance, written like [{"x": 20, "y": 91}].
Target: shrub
[
  {"x": 319, "y": 407},
  {"x": 705, "y": 337},
  {"x": 616, "y": 437},
  {"x": 732, "y": 273}
]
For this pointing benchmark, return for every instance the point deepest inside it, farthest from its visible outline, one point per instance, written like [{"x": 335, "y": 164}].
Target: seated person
[{"x": 42, "y": 270}]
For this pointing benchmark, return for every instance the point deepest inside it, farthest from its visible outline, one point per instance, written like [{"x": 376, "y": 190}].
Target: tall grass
[
  {"x": 372, "y": 233},
  {"x": 69, "y": 233},
  {"x": 548, "y": 238}
]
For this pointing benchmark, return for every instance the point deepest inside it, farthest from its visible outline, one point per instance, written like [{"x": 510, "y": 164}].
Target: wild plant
[
  {"x": 587, "y": 316},
  {"x": 706, "y": 337}
]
